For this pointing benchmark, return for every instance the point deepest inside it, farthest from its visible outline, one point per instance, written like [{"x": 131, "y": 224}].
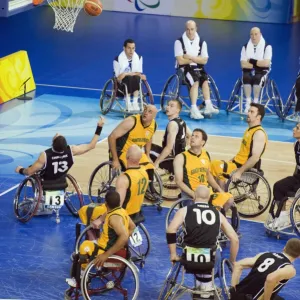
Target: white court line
[{"x": 15, "y": 186}]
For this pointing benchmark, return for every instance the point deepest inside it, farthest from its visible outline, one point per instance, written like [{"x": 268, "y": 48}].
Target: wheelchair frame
[
  {"x": 273, "y": 104},
  {"x": 247, "y": 180},
  {"x": 111, "y": 90},
  {"x": 175, "y": 93},
  {"x": 172, "y": 290},
  {"x": 35, "y": 183},
  {"x": 292, "y": 229}
]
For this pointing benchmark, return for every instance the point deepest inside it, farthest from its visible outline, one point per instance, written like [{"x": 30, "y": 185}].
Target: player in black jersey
[
  {"x": 202, "y": 223},
  {"x": 176, "y": 137},
  {"x": 57, "y": 160},
  {"x": 287, "y": 185},
  {"x": 270, "y": 272}
]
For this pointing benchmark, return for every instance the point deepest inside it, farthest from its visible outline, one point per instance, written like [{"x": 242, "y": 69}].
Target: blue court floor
[{"x": 34, "y": 257}]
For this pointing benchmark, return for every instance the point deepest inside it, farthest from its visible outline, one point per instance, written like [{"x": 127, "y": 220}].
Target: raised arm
[
  {"x": 178, "y": 172},
  {"x": 119, "y": 131},
  {"x": 35, "y": 167},
  {"x": 83, "y": 148},
  {"x": 172, "y": 130}
]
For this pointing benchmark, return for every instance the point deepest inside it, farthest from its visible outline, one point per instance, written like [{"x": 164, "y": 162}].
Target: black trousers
[
  {"x": 284, "y": 186},
  {"x": 132, "y": 83}
]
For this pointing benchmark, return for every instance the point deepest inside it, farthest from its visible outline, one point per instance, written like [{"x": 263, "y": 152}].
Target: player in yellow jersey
[
  {"x": 134, "y": 130},
  {"x": 192, "y": 168},
  {"x": 117, "y": 229},
  {"x": 252, "y": 148},
  {"x": 132, "y": 184}
]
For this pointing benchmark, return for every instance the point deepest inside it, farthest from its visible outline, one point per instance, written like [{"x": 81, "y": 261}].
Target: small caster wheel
[{"x": 57, "y": 221}]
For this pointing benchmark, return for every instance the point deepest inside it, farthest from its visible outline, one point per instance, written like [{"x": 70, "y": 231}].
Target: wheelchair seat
[
  {"x": 55, "y": 185},
  {"x": 137, "y": 218}
]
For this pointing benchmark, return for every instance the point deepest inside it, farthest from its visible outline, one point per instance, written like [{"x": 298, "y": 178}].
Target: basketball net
[{"x": 66, "y": 13}]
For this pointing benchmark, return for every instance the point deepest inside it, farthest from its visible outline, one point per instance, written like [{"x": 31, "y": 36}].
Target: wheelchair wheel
[
  {"x": 83, "y": 235},
  {"x": 252, "y": 194},
  {"x": 146, "y": 93},
  {"x": 277, "y": 100},
  {"x": 235, "y": 96},
  {"x": 214, "y": 93},
  {"x": 167, "y": 291},
  {"x": 290, "y": 101},
  {"x": 170, "y": 91},
  {"x": 140, "y": 252},
  {"x": 107, "y": 96},
  {"x": 295, "y": 214},
  {"x": 226, "y": 275},
  {"x": 73, "y": 196},
  {"x": 117, "y": 279},
  {"x": 170, "y": 215},
  {"x": 27, "y": 198},
  {"x": 154, "y": 194},
  {"x": 101, "y": 180}
]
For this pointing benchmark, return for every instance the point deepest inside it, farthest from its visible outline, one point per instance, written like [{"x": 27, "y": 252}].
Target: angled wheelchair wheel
[
  {"x": 278, "y": 105},
  {"x": 146, "y": 93},
  {"x": 170, "y": 283},
  {"x": 73, "y": 196},
  {"x": 226, "y": 275},
  {"x": 214, "y": 93},
  {"x": 291, "y": 101},
  {"x": 170, "y": 215},
  {"x": 108, "y": 96},
  {"x": 252, "y": 194},
  {"x": 140, "y": 245},
  {"x": 101, "y": 180},
  {"x": 234, "y": 98},
  {"x": 295, "y": 214},
  {"x": 170, "y": 91},
  {"x": 117, "y": 279},
  {"x": 27, "y": 198}
]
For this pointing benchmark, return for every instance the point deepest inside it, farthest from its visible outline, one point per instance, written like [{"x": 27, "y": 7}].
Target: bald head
[
  {"x": 149, "y": 114},
  {"x": 134, "y": 155},
  {"x": 202, "y": 193},
  {"x": 191, "y": 29},
  {"x": 255, "y": 35}
]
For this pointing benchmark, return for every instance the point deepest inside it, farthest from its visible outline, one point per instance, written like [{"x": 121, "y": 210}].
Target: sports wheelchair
[
  {"x": 289, "y": 111},
  {"x": 104, "y": 177},
  {"x": 252, "y": 193},
  {"x": 173, "y": 90},
  {"x": 139, "y": 243},
  {"x": 34, "y": 196},
  {"x": 222, "y": 239},
  {"x": 203, "y": 261},
  {"x": 118, "y": 277},
  {"x": 291, "y": 224},
  {"x": 113, "y": 93},
  {"x": 269, "y": 97}
]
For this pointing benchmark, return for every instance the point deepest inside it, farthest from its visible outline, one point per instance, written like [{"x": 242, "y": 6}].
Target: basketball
[
  {"x": 37, "y": 2},
  {"x": 93, "y": 7}
]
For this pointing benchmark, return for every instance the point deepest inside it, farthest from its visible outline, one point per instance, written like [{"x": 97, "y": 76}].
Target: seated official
[
  {"x": 270, "y": 271},
  {"x": 128, "y": 69},
  {"x": 256, "y": 59},
  {"x": 191, "y": 56}
]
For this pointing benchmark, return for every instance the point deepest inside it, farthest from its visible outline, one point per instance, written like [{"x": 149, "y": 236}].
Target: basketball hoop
[{"x": 66, "y": 13}]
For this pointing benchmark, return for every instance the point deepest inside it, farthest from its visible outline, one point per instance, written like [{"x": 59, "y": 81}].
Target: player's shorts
[
  {"x": 222, "y": 169},
  {"x": 144, "y": 162},
  {"x": 219, "y": 199},
  {"x": 193, "y": 75},
  {"x": 256, "y": 78},
  {"x": 90, "y": 250}
]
